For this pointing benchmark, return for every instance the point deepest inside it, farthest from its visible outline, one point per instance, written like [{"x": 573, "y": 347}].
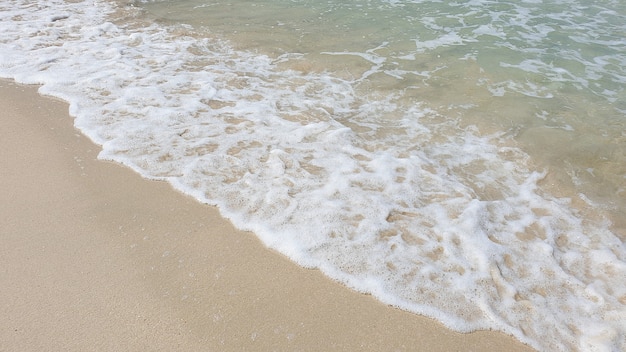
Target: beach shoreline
[{"x": 97, "y": 258}]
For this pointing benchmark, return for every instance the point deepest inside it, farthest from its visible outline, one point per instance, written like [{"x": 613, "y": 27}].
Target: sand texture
[{"x": 95, "y": 258}]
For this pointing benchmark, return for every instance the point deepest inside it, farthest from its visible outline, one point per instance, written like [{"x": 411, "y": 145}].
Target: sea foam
[{"x": 391, "y": 198}]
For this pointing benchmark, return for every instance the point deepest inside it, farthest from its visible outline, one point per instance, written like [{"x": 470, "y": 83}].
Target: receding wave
[{"x": 361, "y": 172}]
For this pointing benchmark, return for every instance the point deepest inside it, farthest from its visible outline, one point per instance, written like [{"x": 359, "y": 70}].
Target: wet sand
[{"x": 95, "y": 258}]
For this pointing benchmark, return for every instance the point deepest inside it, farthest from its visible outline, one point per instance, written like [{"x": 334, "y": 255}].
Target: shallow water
[{"x": 466, "y": 161}]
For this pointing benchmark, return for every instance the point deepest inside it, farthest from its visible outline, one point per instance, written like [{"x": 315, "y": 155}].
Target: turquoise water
[
  {"x": 550, "y": 74},
  {"x": 461, "y": 160}
]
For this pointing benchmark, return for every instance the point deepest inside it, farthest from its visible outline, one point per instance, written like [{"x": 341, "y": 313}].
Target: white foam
[
  {"x": 447, "y": 39},
  {"x": 394, "y": 199}
]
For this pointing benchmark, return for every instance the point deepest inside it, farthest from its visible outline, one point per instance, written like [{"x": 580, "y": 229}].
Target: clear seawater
[{"x": 461, "y": 160}]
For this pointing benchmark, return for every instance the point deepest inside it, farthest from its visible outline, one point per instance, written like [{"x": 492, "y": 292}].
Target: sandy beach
[{"x": 95, "y": 258}]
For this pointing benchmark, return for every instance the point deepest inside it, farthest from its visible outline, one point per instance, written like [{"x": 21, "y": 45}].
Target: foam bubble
[{"x": 381, "y": 188}]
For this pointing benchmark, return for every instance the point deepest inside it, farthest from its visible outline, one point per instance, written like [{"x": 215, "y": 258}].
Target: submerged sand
[{"x": 95, "y": 258}]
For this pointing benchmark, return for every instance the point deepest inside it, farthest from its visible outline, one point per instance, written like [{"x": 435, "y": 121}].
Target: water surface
[{"x": 461, "y": 160}]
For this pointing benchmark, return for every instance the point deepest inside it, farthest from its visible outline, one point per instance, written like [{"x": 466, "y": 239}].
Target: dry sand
[{"x": 95, "y": 258}]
